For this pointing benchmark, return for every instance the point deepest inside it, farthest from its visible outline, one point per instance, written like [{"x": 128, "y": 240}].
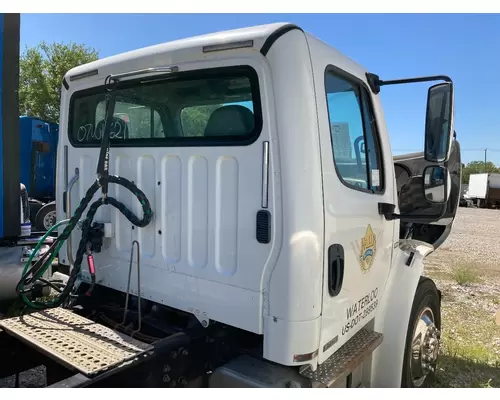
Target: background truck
[
  {"x": 38, "y": 148},
  {"x": 464, "y": 197},
  {"x": 484, "y": 189},
  {"x": 246, "y": 249}
]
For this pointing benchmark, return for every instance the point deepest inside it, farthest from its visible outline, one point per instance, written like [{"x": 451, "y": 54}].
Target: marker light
[{"x": 228, "y": 46}]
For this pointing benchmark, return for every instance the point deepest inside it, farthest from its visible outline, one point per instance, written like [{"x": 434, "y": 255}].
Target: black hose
[{"x": 34, "y": 273}]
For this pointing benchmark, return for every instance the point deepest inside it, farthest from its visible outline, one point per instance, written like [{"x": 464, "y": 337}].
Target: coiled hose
[{"x": 35, "y": 272}]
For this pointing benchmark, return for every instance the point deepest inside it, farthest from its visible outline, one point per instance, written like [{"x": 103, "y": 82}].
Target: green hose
[
  {"x": 33, "y": 273},
  {"x": 47, "y": 265}
]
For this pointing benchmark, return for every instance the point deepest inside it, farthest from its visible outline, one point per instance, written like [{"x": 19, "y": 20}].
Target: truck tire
[
  {"x": 423, "y": 337},
  {"x": 35, "y": 206},
  {"x": 46, "y": 217}
]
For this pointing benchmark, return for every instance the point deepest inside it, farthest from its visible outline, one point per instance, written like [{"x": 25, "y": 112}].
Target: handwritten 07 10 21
[{"x": 87, "y": 132}]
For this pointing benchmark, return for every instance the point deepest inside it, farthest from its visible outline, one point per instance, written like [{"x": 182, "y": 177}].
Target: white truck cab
[{"x": 276, "y": 200}]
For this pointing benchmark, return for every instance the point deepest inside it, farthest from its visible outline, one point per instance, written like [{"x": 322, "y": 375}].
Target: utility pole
[{"x": 485, "y": 151}]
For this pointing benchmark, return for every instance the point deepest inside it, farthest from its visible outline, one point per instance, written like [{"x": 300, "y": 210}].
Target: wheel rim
[
  {"x": 49, "y": 220},
  {"x": 425, "y": 347}
]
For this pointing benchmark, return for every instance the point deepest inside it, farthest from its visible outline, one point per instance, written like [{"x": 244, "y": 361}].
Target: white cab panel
[{"x": 200, "y": 252}]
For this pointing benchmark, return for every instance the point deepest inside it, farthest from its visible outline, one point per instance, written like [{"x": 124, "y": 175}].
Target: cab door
[{"x": 357, "y": 176}]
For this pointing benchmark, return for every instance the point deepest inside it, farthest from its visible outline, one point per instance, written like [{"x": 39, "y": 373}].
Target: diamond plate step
[
  {"x": 73, "y": 340},
  {"x": 346, "y": 359}
]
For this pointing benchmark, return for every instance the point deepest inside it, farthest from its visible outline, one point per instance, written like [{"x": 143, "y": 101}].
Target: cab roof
[{"x": 258, "y": 34}]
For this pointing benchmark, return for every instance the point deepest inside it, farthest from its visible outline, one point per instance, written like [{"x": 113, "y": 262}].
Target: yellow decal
[{"x": 368, "y": 249}]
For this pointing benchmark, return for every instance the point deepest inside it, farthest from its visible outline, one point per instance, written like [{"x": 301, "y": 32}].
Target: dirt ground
[{"x": 467, "y": 271}]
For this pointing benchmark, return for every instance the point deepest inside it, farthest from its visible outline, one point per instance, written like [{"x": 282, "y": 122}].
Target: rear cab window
[{"x": 219, "y": 106}]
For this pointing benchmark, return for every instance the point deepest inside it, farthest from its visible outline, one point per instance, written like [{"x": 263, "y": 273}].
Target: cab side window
[{"x": 355, "y": 145}]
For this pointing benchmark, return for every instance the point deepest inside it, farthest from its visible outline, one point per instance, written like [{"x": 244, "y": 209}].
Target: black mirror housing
[
  {"x": 435, "y": 184},
  {"x": 439, "y": 122}
]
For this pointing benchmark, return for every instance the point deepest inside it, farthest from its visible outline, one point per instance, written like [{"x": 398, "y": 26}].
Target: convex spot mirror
[
  {"x": 435, "y": 186},
  {"x": 439, "y": 122}
]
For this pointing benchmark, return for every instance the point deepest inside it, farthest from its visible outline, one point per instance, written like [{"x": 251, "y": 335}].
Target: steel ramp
[
  {"x": 345, "y": 359},
  {"x": 74, "y": 341}
]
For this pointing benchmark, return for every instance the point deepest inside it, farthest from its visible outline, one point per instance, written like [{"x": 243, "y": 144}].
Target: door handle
[{"x": 335, "y": 269}]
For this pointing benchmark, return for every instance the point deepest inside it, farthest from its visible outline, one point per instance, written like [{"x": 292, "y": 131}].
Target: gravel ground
[
  {"x": 474, "y": 239},
  {"x": 467, "y": 270},
  {"x": 33, "y": 378}
]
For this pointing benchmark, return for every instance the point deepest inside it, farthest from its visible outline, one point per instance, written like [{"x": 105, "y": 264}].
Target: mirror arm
[
  {"x": 375, "y": 82},
  {"x": 387, "y": 210}
]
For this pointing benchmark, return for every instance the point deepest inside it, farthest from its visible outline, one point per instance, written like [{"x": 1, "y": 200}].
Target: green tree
[
  {"x": 194, "y": 119},
  {"x": 477, "y": 167},
  {"x": 42, "y": 69}
]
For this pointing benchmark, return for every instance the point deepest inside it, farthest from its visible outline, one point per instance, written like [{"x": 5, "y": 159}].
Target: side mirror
[
  {"x": 439, "y": 122},
  {"x": 435, "y": 185}
]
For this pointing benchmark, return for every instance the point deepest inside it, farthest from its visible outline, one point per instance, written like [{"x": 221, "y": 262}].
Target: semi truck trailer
[
  {"x": 38, "y": 149},
  {"x": 484, "y": 189}
]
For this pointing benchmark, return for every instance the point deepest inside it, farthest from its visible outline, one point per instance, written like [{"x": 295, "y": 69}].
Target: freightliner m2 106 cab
[{"x": 247, "y": 226}]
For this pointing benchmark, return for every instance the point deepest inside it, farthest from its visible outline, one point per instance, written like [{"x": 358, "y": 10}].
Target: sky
[{"x": 464, "y": 47}]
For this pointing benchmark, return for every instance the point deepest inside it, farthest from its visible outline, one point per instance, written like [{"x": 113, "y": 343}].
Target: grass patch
[
  {"x": 465, "y": 274},
  {"x": 483, "y": 385},
  {"x": 470, "y": 334},
  {"x": 460, "y": 373},
  {"x": 470, "y": 355},
  {"x": 475, "y": 352},
  {"x": 17, "y": 306}
]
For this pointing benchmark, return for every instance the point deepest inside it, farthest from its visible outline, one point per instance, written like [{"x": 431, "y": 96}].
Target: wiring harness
[
  {"x": 35, "y": 272},
  {"x": 32, "y": 274}
]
